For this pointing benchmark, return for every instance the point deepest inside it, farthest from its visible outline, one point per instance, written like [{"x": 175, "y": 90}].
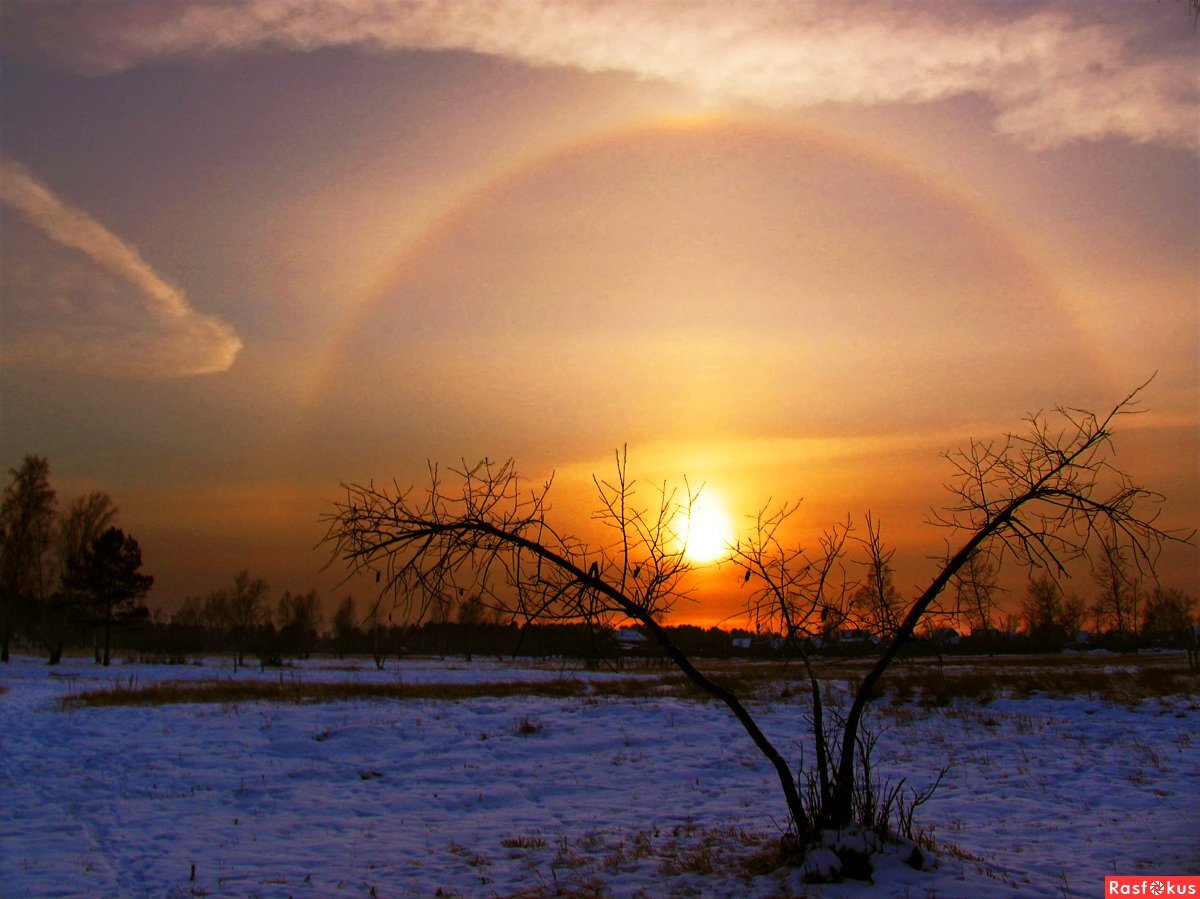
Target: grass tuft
[
  {"x": 528, "y": 727},
  {"x": 524, "y": 841}
]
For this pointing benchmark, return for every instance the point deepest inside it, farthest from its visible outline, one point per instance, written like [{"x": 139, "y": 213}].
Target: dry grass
[
  {"x": 925, "y": 682},
  {"x": 230, "y": 692},
  {"x": 578, "y": 866},
  {"x": 528, "y": 726},
  {"x": 692, "y": 850},
  {"x": 1123, "y": 680},
  {"x": 524, "y": 841},
  {"x": 291, "y": 690}
]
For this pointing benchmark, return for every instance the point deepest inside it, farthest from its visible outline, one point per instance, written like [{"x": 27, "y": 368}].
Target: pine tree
[{"x": 106, "y": 583}]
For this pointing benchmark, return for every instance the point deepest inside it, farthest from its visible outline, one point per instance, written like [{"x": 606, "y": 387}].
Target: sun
[{"x": 706, "y": 534}]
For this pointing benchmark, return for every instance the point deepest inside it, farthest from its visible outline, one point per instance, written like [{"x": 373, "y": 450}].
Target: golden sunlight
[{"x": 705, "y": 530}]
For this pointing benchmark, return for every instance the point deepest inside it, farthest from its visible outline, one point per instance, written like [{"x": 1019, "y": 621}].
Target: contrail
[{"x": 182, "y": 341}]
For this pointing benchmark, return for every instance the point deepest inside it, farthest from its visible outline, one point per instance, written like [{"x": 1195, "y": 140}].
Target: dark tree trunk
[
  {"x": 5, "y": 629},
  {"x": 840, "y": 811}
]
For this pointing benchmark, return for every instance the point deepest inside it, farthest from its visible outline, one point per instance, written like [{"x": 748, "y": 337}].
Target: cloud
[
  {"x": 101, "y": 309},
  {"x": 1054, "y": 73}
]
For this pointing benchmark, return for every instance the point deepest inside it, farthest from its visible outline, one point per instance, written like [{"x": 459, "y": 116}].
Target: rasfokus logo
[{"x": 1152, "y": 885}]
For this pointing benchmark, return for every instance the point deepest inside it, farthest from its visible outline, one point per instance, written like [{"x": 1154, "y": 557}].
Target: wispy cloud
[
  {"x": 1054, "y": 73},
  {"x": 115, "y": 315}
]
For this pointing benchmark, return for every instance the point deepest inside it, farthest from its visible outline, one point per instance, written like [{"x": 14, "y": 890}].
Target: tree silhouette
[
  {"x": 345, "y": 628},
  {"x": 1041, "y": 499},
  {"x": 298, "y": 618},
  {"x": 238, "y": 612},
  {"x": 26, "y": 540},
  {"x": 876, "y": 603},
  {"x": 1116, "y": 606},
  {"x": 1168, "y": 613},
  {"x": 83, "y": 521},
  {"x": 106, "y": 582},
  {"x": 1042, "y": 611},
  {"x": 975, "y": 589}
]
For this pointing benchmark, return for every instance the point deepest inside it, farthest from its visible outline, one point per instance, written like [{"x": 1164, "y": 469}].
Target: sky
[{"x": 251, "y": 250}]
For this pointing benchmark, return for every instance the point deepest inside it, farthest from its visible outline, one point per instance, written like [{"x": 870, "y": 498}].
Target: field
[{"x": 494, "y": 778}]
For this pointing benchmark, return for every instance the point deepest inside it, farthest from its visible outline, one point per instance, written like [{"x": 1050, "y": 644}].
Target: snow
[{"x": 619, "y": 797}]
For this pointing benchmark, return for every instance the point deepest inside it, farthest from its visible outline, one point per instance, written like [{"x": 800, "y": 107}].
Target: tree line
[
  {"x": 64, "y": 575},
  {"x": 1127, "y": 609},
  {"x": 241, "y": 621},
  {"x": 69, "y": 577}
]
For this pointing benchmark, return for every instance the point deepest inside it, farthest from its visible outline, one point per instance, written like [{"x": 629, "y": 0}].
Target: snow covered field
[{"x": 526, "y": 795}]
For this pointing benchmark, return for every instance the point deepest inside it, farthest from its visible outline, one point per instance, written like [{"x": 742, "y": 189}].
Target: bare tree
[
  {"x": 876, "y": 602},
  {"x": 190, "y": 613},
  {"x": 378, "y": 632},
  {"x": 1168, "y": 613},
  {"x": 26, "y": 542},
  {"x": 805, "y": 595},
  {"x": 1042, "y": 610},
  {"x": 472, "y": 612},
  {"x": 1039, "y": 499},
  {"x": 488, "y": 534},
  {"x": 1116, "y": 608},
  {"x": 84, "y": 520},
  {"x": 345, "y": 627},
  {"x": 214, "y": 612},
  {"x": 299, "y": 619},
  {"x": 975, "y": 589},
  {"x": 1074, "y": 609},
  {"x": 238, "y": 613}
]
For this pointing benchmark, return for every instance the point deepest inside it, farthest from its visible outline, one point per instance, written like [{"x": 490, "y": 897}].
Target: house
[
  {"x": 630, "y": 639},
  {"x": 945, "y": 636}
]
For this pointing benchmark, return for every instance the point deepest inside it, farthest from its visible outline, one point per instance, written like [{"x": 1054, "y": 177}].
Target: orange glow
[{"x": 705, "y": 530}]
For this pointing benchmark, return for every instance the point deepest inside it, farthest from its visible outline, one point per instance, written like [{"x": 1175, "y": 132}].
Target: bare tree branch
[
  {"x": 1043, "y": 499},
  {"x": 489, "y": 535}
]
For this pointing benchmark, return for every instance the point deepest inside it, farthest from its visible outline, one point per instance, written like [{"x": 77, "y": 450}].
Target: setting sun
[{"x": 707, "y": 532}]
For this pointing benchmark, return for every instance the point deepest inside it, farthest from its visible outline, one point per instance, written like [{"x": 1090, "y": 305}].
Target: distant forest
[
  {"x": 72, "y": 580},
  {"x": 297, "y": 631}
]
